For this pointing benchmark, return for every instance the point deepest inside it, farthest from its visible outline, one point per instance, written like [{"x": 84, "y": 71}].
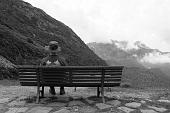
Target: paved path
[{"x": 17, "y": 99}]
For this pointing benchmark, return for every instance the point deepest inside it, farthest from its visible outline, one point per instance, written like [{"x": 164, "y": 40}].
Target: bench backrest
[
  {"x": 28, "y": 75},
  {"x": 80, "y": 76}
]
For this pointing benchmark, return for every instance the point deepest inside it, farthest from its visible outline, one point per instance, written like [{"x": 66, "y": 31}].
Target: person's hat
[{"x": 53, "y": 46}]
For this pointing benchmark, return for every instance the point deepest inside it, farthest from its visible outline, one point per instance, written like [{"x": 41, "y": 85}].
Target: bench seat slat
[
  {"x": 86, "y": 80},
  {"x": 30, "y": 82},
  {"x": 113, "y": 73},
  {"x": 28, "y": 76},
  {"x": 77, "y": 84},
  {"x": 54, "y": 71},
  {"x": 27, "y": 73},
  {"x": 27, "y": 70},
  {"x": 58, "y": 82},
  {"x": 81, "y": 78},
  {"x": 90, "y": 83},
  {"x": 90, "y": 80},
  {"x": 28, "y": 79},
  {"x": 83, "y": 85},
  {"x": 23, "y": 83},
  {"x": 86, "y": 73},
  {"x": 54, "y": 80},
  {"x": 92, "y": 77},
  {"x": 54, "y": 74},
  {"x": 108, "y": 80},
  {"x": 53, "y": 77},
  {"x": 96, "y": 73}
]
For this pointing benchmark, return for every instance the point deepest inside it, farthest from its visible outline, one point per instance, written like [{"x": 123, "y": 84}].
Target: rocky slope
[{"x": 25, "y": 30}]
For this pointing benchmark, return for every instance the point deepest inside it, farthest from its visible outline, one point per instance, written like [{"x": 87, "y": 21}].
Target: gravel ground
[{"x": 21, "y": 99}]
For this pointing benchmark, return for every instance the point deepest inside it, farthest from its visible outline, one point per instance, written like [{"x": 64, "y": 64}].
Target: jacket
[{"x": 53, "y": 58}]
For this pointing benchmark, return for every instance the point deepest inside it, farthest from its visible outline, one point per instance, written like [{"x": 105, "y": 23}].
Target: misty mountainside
[
  {"x": 114, "y": 55},
  {"x": 25, "y": 30},
  {"x": 136, "y": 55},
  {"x": 144, "y": 67}
]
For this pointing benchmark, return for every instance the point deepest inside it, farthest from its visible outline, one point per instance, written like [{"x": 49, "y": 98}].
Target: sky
[{"x": 147, "y": 21}]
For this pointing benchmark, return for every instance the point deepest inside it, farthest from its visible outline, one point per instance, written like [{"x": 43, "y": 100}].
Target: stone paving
[{"x": 17, "y": 99}]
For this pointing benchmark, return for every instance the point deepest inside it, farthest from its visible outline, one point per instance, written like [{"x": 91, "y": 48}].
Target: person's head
[{"x": 53, "y": 47}]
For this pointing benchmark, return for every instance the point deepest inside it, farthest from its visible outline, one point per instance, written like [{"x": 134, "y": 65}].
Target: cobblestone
[
  {"x": 159, "y": 109},
  {"x": 133, "y": 105},
  {"x": 114, "y": 103},
  {"x": 148, "y": 111},
  {"x": 17, "y": 103},
  {"x": 76, "y": 103},
  {"x": 22, "y": 100},
  {"x": 40, "y": 110},
  {"x": 17, "y": 110},
  {"x": 4, "y": 100},
  {"x": 62, "y": 111},
  {"x": 102, "y": 106},
  {"x": 126, "y": 109}
]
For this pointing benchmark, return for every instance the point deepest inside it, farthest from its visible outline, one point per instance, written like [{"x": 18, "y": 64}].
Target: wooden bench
[{"x": 70, "y": 76}]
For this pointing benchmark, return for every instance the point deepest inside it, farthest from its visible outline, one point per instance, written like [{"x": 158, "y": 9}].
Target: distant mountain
[
  {"x": 146, "y": 67},
  {"x": 25, "y": 30},
  {"x": 131, "y": 55},
  {"x": 114, "y": 55}
]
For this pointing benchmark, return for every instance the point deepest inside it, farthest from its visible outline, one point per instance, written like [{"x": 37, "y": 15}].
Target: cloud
[
  {"x": 156, "y": 58},
  {"x": 102, "y": 20}
]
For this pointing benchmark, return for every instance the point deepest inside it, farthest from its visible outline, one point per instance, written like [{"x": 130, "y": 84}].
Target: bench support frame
[
  {"x": 102, "y": 86},
  {"x": 98, "y": 91}
]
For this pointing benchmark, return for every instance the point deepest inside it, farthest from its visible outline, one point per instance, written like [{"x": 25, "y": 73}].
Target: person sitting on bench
[{"x": 54, "y": 59}]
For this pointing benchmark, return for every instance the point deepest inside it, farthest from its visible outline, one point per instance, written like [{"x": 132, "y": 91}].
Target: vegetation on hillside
[{"x": 25, "y": 30}]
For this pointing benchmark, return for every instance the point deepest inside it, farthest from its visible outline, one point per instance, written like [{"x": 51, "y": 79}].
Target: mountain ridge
[
  {"x": 26, "y": 30},
  {"x": 138, "y": 73},
  {"x": 138, "y": 51}
]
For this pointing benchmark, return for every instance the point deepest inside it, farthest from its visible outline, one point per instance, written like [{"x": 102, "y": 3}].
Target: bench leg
[
  {"x": 109, "y": 88},
  {"x": 98, "y": 91},
  {"x": 38, "y": 94},
  {"x": 74, "y": 89},
  {"x": 42, "y": 92},
  {"x": 102, "y": 93}
]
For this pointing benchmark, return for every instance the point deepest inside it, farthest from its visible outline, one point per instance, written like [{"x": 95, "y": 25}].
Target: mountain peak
[
  {"x": 139, "y": 44},
  {"x": 130, "y": 52},
  {"x": 126, "y": 45}
]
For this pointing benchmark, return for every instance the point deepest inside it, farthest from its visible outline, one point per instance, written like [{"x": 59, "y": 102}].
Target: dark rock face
[{"x": 25, "y": 30}]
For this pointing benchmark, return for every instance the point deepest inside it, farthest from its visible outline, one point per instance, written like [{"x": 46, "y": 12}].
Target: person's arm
[{"x": 63, "y": 61}]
